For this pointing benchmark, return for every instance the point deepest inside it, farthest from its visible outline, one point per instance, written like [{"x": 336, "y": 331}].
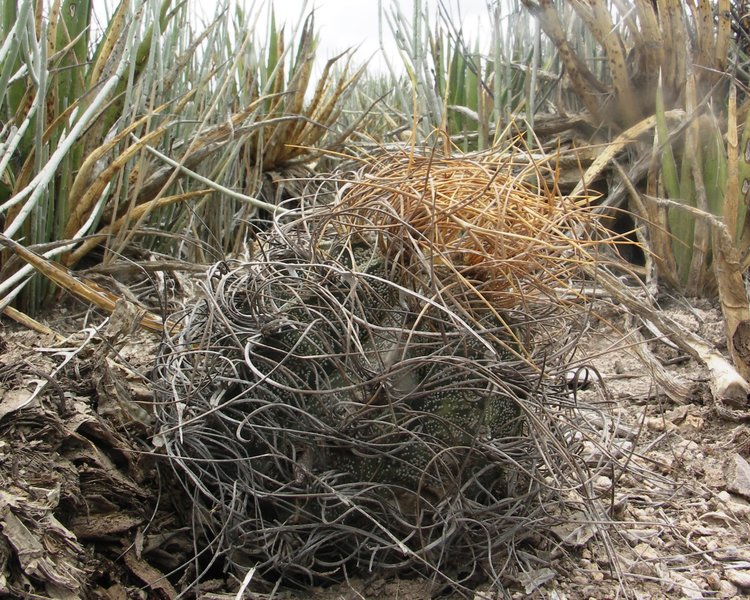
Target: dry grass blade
[
  {"x": 585, "y": 83},
  {"x": 278, "y": 73},
  {"x": 696, "y": 279},
  {"x": 728, "y": 387},
  {"x": 323, "y": 86},
  {"x": 615, "y": 147},
  {"x": 193, "y": 151},
  {"x": 704, "y": 21},
  {"x": 116, "y": 27},
  {"x": 33, "y": 324},
  {"x": 293, "y": 101},
  {"x": 136, "y": 214},
  {"x": 676, "y": 389},
  {"x": 326, "y": 113},
  {"x": 85, "y": 290},
  {"x": 732, "y": 188},
  {"x": 675, "y": 44},
  {"x": 734, "y": 300},
  {"x": 498, "y": 239},
  {"x": 87, "y": 176},
  {"x": 723, "y": 36},
  {"x": 84, "y": 205},
  {"x": 597, "y": 16},
  {"x": 652, "y": 53},
  {"x": 727, "y": 261}
]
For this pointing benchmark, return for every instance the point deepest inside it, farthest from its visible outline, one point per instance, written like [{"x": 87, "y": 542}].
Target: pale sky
[
  {"x": 342, "y": 24},
  {"x": 354, "y": 23},
  {"x": 345, "y": 23}
]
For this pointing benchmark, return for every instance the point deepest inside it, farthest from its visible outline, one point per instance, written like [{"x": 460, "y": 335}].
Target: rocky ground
[{"x": 87, "y": 511}]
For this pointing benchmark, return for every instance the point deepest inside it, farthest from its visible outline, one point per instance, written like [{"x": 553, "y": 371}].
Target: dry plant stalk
[
  {"x": 728, "y": 387},
  {"x": 78, "y": 286},
  {"x": 734, "y": 301},
  {"x": 727, "y": 261},
  {"x": 655, "y": 40}
]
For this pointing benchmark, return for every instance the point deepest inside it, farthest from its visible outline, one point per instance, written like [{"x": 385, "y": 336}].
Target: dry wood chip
[
  {"x": 740, "y": 578},
  {"x": 13, "y": 400},
  {"x": 152, "y": 577},
  {"x": 33, "y": 555},
  {"x": 738, "y": 475},
  {"x": 102, "y": 526}
]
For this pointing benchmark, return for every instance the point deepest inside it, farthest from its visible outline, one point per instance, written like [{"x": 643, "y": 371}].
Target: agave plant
[
  {"x": 150, "y": 130},
  {"x": 468, "y": 92}
]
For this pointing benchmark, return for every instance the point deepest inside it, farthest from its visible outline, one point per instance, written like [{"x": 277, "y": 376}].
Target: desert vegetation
[{"x": 272, "y": 323}]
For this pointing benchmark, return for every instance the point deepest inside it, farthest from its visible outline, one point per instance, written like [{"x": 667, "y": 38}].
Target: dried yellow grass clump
[{"x": 480, "y": 226}]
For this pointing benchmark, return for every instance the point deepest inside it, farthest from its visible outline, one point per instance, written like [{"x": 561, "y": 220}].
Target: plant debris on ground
[{"x": 89, "y": 510}]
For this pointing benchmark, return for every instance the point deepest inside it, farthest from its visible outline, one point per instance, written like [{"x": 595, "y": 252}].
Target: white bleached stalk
[
  {"x": 272, "y": 208},
  {"x": 7, "y": 290}
]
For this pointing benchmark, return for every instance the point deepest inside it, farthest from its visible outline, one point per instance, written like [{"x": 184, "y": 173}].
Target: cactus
[{"x": 337, "y": 351}]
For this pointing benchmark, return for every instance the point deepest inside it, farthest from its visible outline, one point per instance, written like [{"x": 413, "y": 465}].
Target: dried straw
[{"x": 481, "y": 225}]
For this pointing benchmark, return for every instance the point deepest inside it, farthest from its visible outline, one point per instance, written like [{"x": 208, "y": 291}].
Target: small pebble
[
  {"x": 727, "y": 589},
  {"x": 738, "y": 577},
  {"x": 714, "y": 581},
  {"x": 659, "y": 424}
]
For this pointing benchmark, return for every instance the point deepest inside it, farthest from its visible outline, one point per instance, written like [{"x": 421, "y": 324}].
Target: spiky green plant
[
  {"x": 467, "y": 91},
  {"x": 659, "y": 57},
  {"x": 151, "y": 131},
  {"x": 661, "y": 67}
]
